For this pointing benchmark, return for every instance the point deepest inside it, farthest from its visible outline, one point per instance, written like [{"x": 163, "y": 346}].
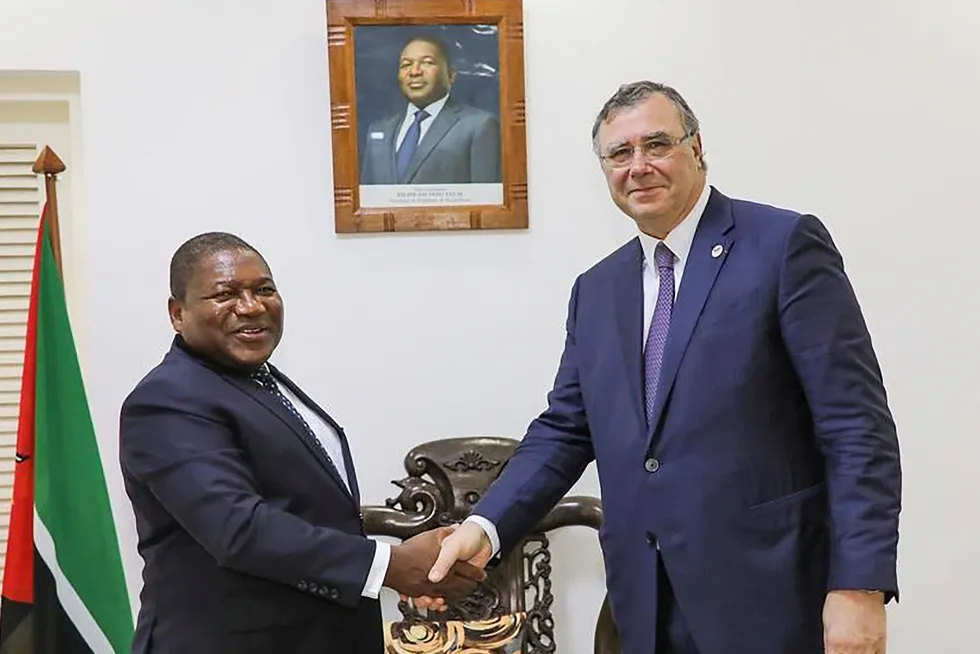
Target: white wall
[{"x": 203, "y": 114}]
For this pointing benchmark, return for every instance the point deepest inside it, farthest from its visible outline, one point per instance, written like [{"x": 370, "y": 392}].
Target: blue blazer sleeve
[
  {"x": 830, "y": 348},
  {"x": 549, "y": 460},
  {"x": 191, "y": 463}
]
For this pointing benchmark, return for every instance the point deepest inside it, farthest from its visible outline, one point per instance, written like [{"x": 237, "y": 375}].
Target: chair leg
[{"x": 606, "y": 634}]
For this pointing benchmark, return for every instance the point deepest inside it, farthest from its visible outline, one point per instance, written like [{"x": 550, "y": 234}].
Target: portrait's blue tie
[{"x": 410, "y": 144}]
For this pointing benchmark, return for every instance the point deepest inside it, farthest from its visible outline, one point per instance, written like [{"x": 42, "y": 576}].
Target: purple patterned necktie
[{"x": 659, "y": 326}]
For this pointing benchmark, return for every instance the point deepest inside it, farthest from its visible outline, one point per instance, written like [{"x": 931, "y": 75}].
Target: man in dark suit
[
  {"x": 719, "y": 371},
  {"x": 246, "y": 501},
  {"x": 435, "y": 139}
]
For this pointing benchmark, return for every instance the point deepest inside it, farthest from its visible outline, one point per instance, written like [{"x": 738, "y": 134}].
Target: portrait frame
[{"x": 344, "y": 17}]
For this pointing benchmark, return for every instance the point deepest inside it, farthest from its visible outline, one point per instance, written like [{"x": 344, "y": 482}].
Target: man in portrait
[{"x": 435, "y": 138}]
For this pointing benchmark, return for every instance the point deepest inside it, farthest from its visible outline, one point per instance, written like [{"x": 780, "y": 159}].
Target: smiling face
[
  {"x": 424, "y": 74},
  {"x": 231, "y": 311},
  {"x": 656, "y": 192}
]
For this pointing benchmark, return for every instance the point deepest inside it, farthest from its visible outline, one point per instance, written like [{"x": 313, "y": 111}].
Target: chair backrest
[{"x": 446, "y": 478}]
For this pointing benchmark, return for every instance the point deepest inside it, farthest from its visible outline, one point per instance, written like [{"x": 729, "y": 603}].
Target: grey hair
[{"x": 629, "y": 95}]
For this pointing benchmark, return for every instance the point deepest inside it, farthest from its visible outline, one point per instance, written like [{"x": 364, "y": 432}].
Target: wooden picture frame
[{"x": 457, "y": 179}]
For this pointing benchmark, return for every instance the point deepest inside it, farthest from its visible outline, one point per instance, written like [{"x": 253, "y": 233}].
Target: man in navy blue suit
[
  {"x": 246, "y": 501},
  {"x": 719, "y": 371}
]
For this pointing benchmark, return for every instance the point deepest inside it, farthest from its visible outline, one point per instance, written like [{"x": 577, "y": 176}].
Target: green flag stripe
[{"x": 70, "y": 491}]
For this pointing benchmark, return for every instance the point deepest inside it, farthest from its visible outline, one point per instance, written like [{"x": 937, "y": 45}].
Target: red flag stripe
[{"x": 18, "y": 574}]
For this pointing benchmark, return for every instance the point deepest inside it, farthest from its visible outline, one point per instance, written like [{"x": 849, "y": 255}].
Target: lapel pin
[{"x": 716, "y": 251}]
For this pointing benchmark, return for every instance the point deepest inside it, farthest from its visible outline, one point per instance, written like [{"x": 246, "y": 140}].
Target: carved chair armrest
[
  {"x": 575, "y": 510},
  {"x": 382, "y": 521},
  {"x": 571, "y": 511}
]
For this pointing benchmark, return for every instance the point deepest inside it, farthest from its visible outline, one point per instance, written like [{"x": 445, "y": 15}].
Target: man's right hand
[
  {"x": 467, "y": 543},
  {"x": 411, "y": 562}
]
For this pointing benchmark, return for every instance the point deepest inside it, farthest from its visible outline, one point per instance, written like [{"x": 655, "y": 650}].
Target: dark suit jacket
[
  {"x": 250, "y": 540},
  {"x": 771, "y": 473},
  {"x": 462, "y": 146}
]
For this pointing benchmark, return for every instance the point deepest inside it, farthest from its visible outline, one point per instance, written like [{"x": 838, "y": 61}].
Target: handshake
[{"x": 444, "y": 563}]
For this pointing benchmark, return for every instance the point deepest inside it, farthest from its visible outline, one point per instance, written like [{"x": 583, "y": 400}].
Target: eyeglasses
[{"x": 656, "y": 148}]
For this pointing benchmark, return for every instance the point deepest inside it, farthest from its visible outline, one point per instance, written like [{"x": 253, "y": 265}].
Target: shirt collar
[
  {"x": 431, "y": 109},
  {"x": 680, "y": 238}
]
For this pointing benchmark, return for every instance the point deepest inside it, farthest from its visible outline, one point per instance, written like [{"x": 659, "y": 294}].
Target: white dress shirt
[
  {"x": 330, "y": 440},
  {"x": 679, "y": 241},
  {"x": 410, "y": 111}
]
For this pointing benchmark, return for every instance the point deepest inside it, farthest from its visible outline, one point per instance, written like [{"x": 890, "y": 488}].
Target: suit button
[
  {"x": 651, "y": 465},
  {"x": 334, "y": 593},
  {"x": 322, "y": 590},
  {"x": 651, "y": 539},
  {"x": 301, "y": 585}
]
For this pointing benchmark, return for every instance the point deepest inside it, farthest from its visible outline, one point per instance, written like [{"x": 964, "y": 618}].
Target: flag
[{"x": 63, "y": 584}]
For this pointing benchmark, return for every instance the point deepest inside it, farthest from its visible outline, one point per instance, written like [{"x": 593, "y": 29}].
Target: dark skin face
[
  {"x": 423, "y": 74},
  {"x": 232, "y": 311}
]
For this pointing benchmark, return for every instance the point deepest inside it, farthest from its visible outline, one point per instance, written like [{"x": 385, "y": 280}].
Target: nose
[
  {"x": 639, "y": 164},
  {"x": 248, "y": 304}
]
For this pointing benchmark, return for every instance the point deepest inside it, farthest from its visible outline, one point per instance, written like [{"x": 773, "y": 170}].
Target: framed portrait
[{"x": 427, "y": 110}]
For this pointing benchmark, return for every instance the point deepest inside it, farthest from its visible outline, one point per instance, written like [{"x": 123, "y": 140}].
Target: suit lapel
[
  {"x": 391, "y": 143},
  {"x": 448, "y": 117},
  {"x": 711, "y": 245},
  {"x": 628, "y": 296},
  {"x": 266, "y": 399},
  {"x": 326, "y": 417}
]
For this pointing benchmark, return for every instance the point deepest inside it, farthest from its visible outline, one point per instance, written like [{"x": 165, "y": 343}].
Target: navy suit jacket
[
  {"x": 251, "y": 542},
  {"x": 462, "y": 146},
  {"x": 771, "y": 472}
]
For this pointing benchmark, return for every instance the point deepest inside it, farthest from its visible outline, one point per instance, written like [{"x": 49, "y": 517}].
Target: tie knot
[
  {"x": 264, "y": 377},
  {"x": 421, "y": 115},
  {"x": 663, "y": 256}
]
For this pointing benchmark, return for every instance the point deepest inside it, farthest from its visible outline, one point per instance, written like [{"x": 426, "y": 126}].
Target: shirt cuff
[
  {"x": 379, "y": 568},
  {"x": 490, "y": 530}
]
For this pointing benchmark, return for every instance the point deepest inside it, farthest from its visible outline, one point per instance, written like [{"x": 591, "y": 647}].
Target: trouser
[{"x": 673, "y": 636}]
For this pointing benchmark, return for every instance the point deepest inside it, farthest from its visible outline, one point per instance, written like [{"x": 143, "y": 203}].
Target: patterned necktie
[
  {"x": 660, "y": 325},
  {"x": 409, "y": 144},
  {"x": 265, "y": 379}
]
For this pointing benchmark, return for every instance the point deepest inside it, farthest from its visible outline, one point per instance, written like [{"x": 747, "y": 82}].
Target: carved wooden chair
[{"x": 510, "y": 612}]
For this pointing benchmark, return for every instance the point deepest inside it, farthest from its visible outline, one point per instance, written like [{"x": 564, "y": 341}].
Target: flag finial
[{"x": 48, "y": 163}]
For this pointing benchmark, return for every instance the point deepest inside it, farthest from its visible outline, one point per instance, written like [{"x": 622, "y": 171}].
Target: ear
[
  {"x": 452, "y": 76},
  {"x": 699, "y": 150},
  {"x": 176, "y": 311}
]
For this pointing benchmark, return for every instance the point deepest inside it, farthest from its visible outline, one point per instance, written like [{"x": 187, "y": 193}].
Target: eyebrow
[
  {"x": 234, "y": 283},
  {"x": 423, "y": 58},
  {"x": 650, "y": 136}
]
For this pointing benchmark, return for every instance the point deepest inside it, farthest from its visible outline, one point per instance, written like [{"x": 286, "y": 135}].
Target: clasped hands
[{"x": 444, "y": 563}]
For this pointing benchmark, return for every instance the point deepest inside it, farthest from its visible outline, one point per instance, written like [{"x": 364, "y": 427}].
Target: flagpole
[{"x": 49, "y": 165}]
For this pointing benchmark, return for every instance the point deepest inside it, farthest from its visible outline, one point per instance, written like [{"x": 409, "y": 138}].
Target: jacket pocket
[
  {"x": 809, "y": 502},
  {"x": 252, "y": 612}
]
